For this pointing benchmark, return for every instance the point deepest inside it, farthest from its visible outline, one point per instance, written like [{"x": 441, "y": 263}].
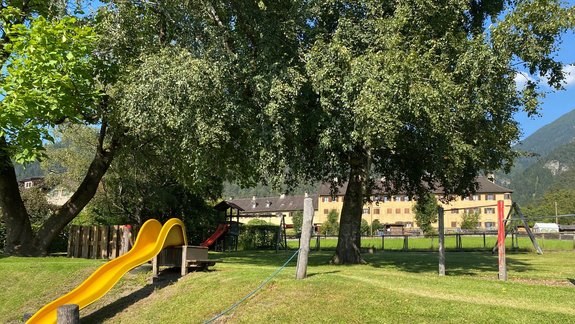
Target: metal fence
[{"x": 474, "y": 241}]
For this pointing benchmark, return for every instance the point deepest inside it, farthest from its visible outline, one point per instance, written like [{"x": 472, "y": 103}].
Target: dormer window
[
  {"x": 268, "y": 204},
  {"x": 28, "y": 184}
]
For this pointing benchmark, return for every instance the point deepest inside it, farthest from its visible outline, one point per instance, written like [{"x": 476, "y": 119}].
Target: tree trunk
[
  {"x": 349, "y": 239},
  {"x": 19, "y": 234}
]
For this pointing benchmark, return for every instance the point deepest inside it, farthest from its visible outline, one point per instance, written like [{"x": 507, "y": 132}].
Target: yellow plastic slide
[{"x": 152, "y": 238}]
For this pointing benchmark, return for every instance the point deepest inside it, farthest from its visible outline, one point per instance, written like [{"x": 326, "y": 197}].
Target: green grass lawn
[{"x": 393, "y": 287}]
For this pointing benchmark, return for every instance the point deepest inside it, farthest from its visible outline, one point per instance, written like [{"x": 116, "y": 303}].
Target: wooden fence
[{"x": 97, "y": 242}]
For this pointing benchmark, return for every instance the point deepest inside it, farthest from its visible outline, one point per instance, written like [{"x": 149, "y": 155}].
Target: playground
[{"x": 393, "y": 287}]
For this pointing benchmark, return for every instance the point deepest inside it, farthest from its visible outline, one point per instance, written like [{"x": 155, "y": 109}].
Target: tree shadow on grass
[
  {"x": 166, "y": 278},
  {"x": 456, "y": 263}
]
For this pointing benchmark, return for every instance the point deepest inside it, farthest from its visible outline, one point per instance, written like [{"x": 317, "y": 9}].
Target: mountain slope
[
  {"x": 551, "y": 136},
  {"x": 553, "y": 171}
]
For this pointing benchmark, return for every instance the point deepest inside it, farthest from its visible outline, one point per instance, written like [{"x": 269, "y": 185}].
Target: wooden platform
[{"x": 186, "y": 257}]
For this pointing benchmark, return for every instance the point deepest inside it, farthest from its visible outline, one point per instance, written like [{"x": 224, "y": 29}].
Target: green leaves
[{"x": 49, "y": 78}]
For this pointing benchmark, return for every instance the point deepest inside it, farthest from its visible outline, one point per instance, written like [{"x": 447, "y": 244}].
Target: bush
[
  {"x": 331, "y": 225},
  {"x": 426, "y": 212},
  {"x": 257, "y": 237},
  {"x": 469, "y": 221},
  {"x": 257, "y": 221},
  {"x": 376, "y": 225},
  {"x": 364, "y": 227},
  {"x": 297, "y": 220}
]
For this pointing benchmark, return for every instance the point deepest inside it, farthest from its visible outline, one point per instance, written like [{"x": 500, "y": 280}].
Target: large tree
[
  {"x": 422, "y": 93},
  {"x": 180, "y": 85}
]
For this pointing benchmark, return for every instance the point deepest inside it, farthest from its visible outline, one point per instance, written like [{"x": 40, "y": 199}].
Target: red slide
[{"x": 222, "y": 228}]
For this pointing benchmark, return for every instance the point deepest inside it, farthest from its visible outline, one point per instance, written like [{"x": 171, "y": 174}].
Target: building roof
[
  {"x": 282, "y": 203},
  {"x": 485, "y": 186}
]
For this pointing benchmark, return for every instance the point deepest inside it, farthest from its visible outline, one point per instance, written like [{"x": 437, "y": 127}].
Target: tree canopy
[{"x": 418, "y": 92}]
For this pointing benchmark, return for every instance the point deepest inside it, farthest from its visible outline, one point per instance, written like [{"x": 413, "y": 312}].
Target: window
[
  {"x": 28, "y": 184},
  {"x": 389, "y": 211},
  {"x": 324, "y": 199},
  {"x": 454, "y": 210},
  {"x": 407, "y": 211},
  {"x": 489, "y": 197},
  {"x": 333, "y": 199},
  {"x": 397, "y": 198},
  {"x": 405, "y": 198},
  {"x": 366, "y": 210},
  {"x": 376, "y": 211},
  {"x": 476, "y": 197},
  {"x": 386, "y": 198},
  {"x": 489, "y": 211},
  {"x": 453, "y": 224},
  {"x": 478, "y": 224},
  {"x": 326, "y": 211},
  {"x": 490, "y": 225},
  {"x": 507, "y": 196},
  {"x": 409, "y": 224},
  {"x": 398, "y": 210}
]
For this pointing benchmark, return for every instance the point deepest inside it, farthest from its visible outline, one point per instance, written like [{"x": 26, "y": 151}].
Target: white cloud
[
  {"x": 569, "y": 73},
  {"x": 521, "y": 79}
]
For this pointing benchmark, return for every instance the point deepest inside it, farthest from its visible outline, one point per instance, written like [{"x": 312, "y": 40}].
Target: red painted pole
[{"x": 501, "y": 241}]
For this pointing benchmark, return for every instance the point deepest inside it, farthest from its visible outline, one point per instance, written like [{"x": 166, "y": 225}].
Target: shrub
[
  {"x": 256, "y": 237},
  {"x": 469, "y": 220},
  {"x": 331, "y": 225}
]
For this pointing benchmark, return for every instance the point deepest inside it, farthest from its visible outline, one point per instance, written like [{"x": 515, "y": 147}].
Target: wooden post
[
  {"x": 184, "y": 260},
  {"x": 155, "y": 267},
  {"x": 317, "y": 243},
  {"x": 501, "y": 242},
  {"x": 68, "y": 314},
  {"x": 306, "y": 229},
  {"x": 484, "y": 242},
  {"x": 441, "y": 242},
  {"x": 405, "y": 243}
]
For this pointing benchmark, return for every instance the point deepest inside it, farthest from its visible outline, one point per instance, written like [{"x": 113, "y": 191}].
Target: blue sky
[{"x": 556, "y": 103}]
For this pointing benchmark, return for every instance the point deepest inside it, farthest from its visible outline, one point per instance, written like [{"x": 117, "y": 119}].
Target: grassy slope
[{"x": 394, "y": 287}]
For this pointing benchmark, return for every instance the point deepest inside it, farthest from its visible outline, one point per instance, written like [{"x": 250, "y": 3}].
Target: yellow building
[{"x": 397, "y": 211}]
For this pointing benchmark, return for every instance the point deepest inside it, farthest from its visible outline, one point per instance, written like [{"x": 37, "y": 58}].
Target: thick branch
[{"x": 85, "y": 192}]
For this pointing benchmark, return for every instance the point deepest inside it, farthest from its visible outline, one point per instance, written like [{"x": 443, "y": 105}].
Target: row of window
[
  {"x": 376, "y": 198},
  {"x": 376, "y": 211},
  {"x": 477, "y": 197},
  {"x": 390, "y": 211},
  {"x": 489, "y": 210}
]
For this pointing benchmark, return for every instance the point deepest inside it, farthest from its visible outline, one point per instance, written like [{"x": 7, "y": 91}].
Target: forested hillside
[
  {"x": 545, "y": 140},
  {"x": 555, "y": 170}
]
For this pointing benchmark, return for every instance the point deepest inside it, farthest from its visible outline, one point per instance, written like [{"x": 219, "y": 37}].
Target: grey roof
[
  {"x": 485, "y": 186},
  {"x": 272, "y": 204}
]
